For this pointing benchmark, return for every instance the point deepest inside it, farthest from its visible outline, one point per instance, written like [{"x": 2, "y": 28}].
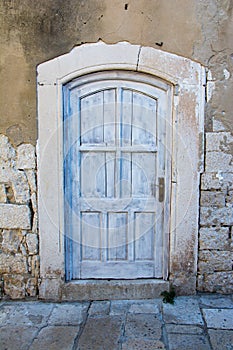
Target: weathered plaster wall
[{"x": 34, "y": 31}]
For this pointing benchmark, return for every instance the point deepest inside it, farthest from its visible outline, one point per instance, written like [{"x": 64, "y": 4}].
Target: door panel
[{"x": 114, "y": 153}]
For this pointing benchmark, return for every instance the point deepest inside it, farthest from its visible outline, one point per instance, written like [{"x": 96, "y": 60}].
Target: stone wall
[
  {"x": 216, "y": 214},
  {"x": 19, "y": 259}
]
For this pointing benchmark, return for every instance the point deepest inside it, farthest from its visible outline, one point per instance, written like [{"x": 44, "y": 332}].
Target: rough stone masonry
[
  {"x": 216, "y": 214},
  {"x": 19, "y": 259}
]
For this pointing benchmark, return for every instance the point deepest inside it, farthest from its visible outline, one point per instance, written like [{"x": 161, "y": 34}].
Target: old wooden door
[{"x": 116, "y": 176}]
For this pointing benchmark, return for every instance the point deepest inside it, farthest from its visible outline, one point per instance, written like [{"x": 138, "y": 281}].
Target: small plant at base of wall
[{"x": 169, "y": 297}]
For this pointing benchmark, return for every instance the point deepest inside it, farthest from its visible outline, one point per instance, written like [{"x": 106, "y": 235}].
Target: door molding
[{"x": 187, "y": 79}]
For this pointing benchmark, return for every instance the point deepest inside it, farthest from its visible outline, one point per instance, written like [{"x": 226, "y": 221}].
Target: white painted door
[{"x": 116, "y": 176}]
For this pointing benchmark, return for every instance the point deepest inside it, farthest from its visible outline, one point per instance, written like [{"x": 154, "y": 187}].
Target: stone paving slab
[
  {"x": 185, "y": 311},
  {"x": 143, "y": 325},
  {"x": 27, "y": 313},
  {"x": 68, "y": 314},
  {"x": 5, "y": 312},
  {"x": 221, "y": 339},
  {"x": 99, "y": 308},
  {"x": 203, "y": 322},
  {"x": 184, "y": 329},
  {"x": 219, "y": 318},
  {"x": 216, "y": 301},
  {"x": 139, "y": 344},
  {"x": 101, "y": 333},
  {"x": 55, "y": 337},
  {"x": 119, "y": 307},
  {"x": 145, "y": 307},
  {"x": 16, "y": 337},
  {"x": 188, "y": 342}
]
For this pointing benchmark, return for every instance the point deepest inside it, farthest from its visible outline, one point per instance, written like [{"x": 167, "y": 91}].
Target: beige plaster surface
[{"x": 33, "y": 32}]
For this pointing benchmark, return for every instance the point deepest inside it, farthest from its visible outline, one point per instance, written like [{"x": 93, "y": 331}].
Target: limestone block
[
  {"x": 13, "y": 263},
  {"x": 218, "y": 125},
  {"x": 216, "y": 216},
  {"x": 3, "y": 198},
  {"x": 185, "y": 311},
  {"x": 188, "y": 341},
  {"x": 96, "y": 333},
  {"x": 14, "y": 286},
  {"x": 98, "y": 308},
  {"x": 34, "y": 265},
  {"x": 68, "y": 314},
  {"x": 214, "y": 260},
  {"x": 219, "y": 162},
  {"x": 221, "y": 339},
  {"x": 14, "y": 216},
  {"x": 25, "y": 336},
  {"x": 229, "y": 197},
  {"x": 214, "y": 238},
  {"x": 31, "y": 177},
  {"x": 32, "y": 243},
  {"x": 35, "y": 223},
  {"x": 31, "y": 287},
  {"x": 218, "y": 318},
  {"x": 34, "y": 202},
  {"x": 23, "y": 249},
  {"x": 55, "y": 337},
  {"x": 50, "y": 289},
  {"x": 220, "y": 142},
  {"x": 209, "y": 181},
  {"x": 26, "y": 156},
  {"x": 20, "y": 187},
  {"x": 11, "y": 240},
  {"x": 212, "y": 199},
  {"x": 1, "y": 288},
  {"x": 6, "y": 173},
  {"x": 7, "y": 152},
  {"x": 221, "y": 282},
  {"x": 216, "y": 181},
  {"x": 143, "y": 343}
]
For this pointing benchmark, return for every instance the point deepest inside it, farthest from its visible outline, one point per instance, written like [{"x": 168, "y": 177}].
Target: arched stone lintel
[{"x": 99, "y": 56}]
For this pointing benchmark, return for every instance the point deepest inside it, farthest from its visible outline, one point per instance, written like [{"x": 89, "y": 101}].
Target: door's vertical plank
[
  {"x": 144, "y": 120},
  {"x": 110, "y": 168},
  {"x": 131, "y": 235},
  {"x": 126, "y": 175},
  {"x": 104, "y": 236},
  {"x": 118, "y": 143},
  {"x": 109, "y": 110},
  {"x": 92, "y": 119},
  {"x": 126, "y": 117},
  {"x": 75, "y": 173},
  {"x": 143, "y": 174},
  {"x": 67, "y": 185}
]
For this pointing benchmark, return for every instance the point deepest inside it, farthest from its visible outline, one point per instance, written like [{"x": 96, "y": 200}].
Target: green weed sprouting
[{"x": 168, "y": 297}]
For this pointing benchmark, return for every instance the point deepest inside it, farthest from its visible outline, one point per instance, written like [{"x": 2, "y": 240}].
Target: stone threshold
[{"x": 113, "y": 289}]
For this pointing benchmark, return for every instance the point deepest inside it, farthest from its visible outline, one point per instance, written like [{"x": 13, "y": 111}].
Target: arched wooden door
[{"x": 116, "y": 176}]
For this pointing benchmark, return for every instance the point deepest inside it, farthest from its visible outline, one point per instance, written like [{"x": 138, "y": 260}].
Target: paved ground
[{"x": 203, "y": 322}]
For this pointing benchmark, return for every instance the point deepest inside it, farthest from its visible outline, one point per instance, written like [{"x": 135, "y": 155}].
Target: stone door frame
[{"x": 187, "y": 79}]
